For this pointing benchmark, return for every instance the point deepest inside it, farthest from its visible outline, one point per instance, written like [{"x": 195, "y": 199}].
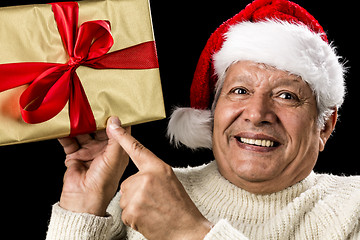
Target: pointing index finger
[{"x": 142, "y": 157}]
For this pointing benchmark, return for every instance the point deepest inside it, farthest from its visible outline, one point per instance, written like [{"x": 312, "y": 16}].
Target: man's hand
[
  {"x": 154, "y": 202},
  {"x": 94, "y": 168}
]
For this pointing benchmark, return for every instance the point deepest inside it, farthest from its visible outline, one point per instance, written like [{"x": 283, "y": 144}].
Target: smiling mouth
[{"x": 257, "y": 142}]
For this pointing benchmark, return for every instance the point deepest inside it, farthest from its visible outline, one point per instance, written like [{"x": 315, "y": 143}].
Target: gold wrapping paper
[{"x": 29, "y": 34}]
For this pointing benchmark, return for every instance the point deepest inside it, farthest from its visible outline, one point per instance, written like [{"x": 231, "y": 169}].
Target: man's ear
[{"x": 325, "y": 133}]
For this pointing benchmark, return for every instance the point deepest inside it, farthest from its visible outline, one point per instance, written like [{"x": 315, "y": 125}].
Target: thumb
[
  {"x": 142, "y": 157},
  {"x": 116, "y": 159}
]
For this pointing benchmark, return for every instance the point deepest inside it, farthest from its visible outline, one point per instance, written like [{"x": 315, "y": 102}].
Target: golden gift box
[{"x": 30, "y": 35}]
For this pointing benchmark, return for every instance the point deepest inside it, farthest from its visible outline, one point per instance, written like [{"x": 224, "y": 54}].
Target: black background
[{"x": 31, "y": 174}]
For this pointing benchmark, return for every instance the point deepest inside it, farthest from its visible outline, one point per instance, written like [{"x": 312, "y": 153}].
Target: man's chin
[{"x": 256, "y": 171}]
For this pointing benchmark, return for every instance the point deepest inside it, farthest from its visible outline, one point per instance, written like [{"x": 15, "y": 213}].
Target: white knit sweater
[{"x": 319, "y": 207}]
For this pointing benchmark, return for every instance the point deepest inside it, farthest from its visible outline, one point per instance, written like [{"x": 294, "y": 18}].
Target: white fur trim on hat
[
  {"x": 290, "y": 47},
  {"x": 192, "y": 127}
]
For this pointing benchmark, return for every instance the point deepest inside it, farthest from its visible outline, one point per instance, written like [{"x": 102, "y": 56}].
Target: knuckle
[
  {"x": 131, "y": 215},
  {"x": 148, "y": 180},
  {"x": 123, "y": 186},
  {"x": 136, "y": 214},
  {"x": 166, "y": 170},
  {"x": 122, "y": 203},
  {"x": 125, "y": 217},
  {"x": 137, "y": 147}
]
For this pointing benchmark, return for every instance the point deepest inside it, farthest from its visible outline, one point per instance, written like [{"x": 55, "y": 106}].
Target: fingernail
[{"x": 115, "y": 123}]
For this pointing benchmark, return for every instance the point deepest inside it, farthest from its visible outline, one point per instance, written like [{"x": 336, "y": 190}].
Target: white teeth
[{"x": 257, "y": 142}]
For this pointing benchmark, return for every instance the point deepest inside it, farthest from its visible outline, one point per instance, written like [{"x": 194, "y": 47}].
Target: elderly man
[{"x": 278, "y": 85}]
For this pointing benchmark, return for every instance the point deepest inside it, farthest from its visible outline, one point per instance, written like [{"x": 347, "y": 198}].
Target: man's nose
[{"x": 259, "y": 110}]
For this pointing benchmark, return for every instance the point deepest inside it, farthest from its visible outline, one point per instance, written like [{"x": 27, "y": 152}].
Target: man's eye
[
  {"x": 287, "y": 96},
  {"x": 239, "y": 91}
]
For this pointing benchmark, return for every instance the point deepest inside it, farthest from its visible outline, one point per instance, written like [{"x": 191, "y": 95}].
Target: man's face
[{"x": 265, "y": 135}]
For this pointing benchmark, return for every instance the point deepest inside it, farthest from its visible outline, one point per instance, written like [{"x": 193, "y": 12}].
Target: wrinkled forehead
[{"x": 255, "y": 74}]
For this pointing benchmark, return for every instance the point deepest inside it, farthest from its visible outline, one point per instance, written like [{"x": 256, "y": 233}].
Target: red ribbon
[{"x": 52, "y": 85}]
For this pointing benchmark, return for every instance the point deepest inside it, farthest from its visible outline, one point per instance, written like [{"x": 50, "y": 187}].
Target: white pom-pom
[{"x": 192, "y": 127}]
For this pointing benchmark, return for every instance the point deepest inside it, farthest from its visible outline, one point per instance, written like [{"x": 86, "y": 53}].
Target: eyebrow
[
  {"x": 242, "y": 78},
  {"x": 289, "y": 80},
  {"x": 280, "y": 81}
]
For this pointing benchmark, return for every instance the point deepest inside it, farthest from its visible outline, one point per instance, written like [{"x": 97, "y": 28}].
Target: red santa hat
[{"x": 279, "y": 33}]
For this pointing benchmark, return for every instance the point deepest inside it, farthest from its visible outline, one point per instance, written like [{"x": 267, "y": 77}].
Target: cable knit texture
[{"x": 322, "y": 206}]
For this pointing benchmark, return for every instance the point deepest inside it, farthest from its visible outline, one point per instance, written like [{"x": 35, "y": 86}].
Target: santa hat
[{"x": 279, "y": 33}]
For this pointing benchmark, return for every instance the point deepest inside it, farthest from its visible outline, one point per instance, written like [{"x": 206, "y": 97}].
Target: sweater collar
[{"x": 218, "y": 191}]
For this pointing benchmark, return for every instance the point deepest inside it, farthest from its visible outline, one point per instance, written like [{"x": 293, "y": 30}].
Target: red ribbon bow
[{"x": 52, "y": 85}]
